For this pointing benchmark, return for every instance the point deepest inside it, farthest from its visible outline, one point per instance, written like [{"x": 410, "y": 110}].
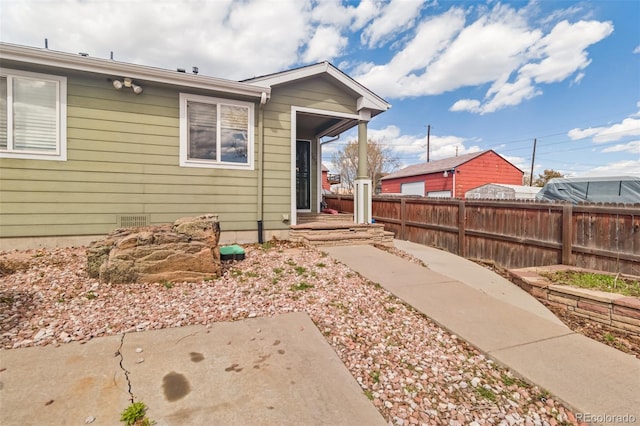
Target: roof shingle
[{"x": 434, "y": 166}]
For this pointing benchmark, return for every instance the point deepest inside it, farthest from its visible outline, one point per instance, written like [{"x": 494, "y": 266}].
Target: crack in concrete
[
  {"x": 126, "y": 372},
  {"x": 532, "y": 342}
]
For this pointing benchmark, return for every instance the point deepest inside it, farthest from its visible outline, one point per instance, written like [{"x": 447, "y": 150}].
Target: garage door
[
  {"x": 439, "y": 194},
  {"x": 413, "y": 188}
]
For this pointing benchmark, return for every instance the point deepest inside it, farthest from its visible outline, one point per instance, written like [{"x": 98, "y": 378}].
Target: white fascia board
[
  {"x": 372, "y": 104},
  {"x": 368, "y": 99},
  {"x": 290, "y": 75},
  {"x": 139, "y": 72}
]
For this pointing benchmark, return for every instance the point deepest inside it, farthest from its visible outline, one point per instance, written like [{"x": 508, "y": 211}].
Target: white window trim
[
  {"x": 61, "y": 117},
  {"x": 184, "y": 134}
]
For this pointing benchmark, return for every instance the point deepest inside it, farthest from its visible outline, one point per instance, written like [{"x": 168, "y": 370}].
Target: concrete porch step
[
  {"x": 324, "y": 217},
  {"x": 340, "y": 233}
]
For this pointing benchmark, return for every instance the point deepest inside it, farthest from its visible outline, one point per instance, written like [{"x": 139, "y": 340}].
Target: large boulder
[{"x": 187, "y": 250}]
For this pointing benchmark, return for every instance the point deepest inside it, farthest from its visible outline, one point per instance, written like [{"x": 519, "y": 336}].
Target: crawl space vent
[{"x": 132, "y": 220}]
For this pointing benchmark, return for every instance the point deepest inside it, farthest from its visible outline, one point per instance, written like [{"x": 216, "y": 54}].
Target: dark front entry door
[{"x": 303, "y": 175}]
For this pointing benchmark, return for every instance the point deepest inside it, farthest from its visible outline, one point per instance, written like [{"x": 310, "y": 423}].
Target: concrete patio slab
[
  {"x": 262, "y": 371},
  {"x": 585, "y": 373},
  {"x": 476, "y": 276}
]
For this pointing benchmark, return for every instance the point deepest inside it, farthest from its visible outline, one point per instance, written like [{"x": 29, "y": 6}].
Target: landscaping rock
[{"x": 186, "y": 251}]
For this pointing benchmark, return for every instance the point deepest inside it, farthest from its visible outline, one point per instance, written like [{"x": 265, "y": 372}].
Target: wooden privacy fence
[{"x": 514, "y": 234}]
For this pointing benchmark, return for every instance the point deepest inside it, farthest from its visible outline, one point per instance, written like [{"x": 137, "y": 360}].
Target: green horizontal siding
[
  {"x": 122, "y": 158},
  {"x": 121, "y": 174}
]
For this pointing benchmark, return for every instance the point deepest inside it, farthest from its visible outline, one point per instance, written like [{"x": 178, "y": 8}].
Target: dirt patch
[{"x": 13, "y": 262}]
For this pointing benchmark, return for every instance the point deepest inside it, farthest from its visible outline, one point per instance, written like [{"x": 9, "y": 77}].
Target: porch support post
[{"x": 362, "y": 191}]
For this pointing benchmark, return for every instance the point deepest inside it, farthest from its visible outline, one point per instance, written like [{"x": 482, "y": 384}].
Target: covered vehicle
[{"x": 614, "y": 189}]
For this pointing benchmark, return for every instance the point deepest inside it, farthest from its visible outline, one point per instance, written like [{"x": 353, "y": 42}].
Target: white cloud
[
  {"x": 396, "y": 17},
  {"x": 632, "y": 147},
  {"x": 332, "y": 12},
  {"x": 618, "y": 168},
  {"x": 563, "y": 50},
  {"x": 626, "y": 128},
  {"x": 412, "y": 149},
  {"x": 637, "y": 49},
  {"x": 398, "y": 78},
  {"x": 224, "y": 38},
  {"x": 498, "y": 48},
  {"x": 483, "y": 52},
  {"x": 326, "y": 44},
  {"x": 508, "y": 94},
  {"x": 363, "y": 13},
  {"x": 562, "y": 53},
  {"x": 471, "y": 105}
]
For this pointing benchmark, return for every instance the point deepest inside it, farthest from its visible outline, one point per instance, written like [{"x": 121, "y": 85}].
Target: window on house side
[
  {"x": 32, "y": 116},
  {"x": 215, "y": 133}
]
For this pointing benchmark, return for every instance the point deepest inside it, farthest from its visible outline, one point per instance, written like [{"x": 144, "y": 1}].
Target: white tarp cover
[{"x": 616, "y": 189}]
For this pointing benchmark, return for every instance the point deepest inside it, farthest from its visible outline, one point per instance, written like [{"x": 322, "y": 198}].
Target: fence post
[
  {"x": 462, "y": 251},
  {"x": 567, "y": 234},
  {"x": 403, "y": 211}
]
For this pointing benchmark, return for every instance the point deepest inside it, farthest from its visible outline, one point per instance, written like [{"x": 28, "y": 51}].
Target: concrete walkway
[
  {"x": 507, "y": 324},
  {"x": 261, "y": 371}
]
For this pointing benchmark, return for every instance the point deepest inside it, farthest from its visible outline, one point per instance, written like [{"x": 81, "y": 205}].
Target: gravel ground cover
[{"x": 412, "y": 370}]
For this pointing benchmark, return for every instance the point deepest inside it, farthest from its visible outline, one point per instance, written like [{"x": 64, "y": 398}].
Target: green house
[{"x": 88, "y": 145}]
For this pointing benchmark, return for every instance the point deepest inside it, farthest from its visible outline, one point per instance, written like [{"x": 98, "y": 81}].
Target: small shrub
[
  {"x": 135, "y": 414},
  {"x": 486, "y": 393},
  {"x": 301, "y": 286}
]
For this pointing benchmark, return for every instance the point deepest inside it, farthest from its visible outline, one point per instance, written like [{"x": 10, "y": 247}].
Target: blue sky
[{"x": 483, "y": 75}]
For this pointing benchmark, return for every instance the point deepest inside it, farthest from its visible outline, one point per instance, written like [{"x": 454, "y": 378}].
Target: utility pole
[
  {"x": 533, "y": 159},
  {"x": 428, "y": 137}
]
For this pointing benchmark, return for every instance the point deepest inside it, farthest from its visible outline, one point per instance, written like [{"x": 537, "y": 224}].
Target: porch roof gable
[{"x": 367, "y": 100}]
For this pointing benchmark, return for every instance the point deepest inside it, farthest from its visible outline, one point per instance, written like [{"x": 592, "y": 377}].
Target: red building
[
  {"x": 452, "y": 177},
  {"x": 326, "y": 185}
]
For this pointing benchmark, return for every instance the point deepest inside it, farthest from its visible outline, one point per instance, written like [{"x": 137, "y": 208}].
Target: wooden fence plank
[{"x": 515, "y": 234}]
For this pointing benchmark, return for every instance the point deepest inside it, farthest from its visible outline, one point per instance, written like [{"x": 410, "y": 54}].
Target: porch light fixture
[{"x": 127, "y": 83}]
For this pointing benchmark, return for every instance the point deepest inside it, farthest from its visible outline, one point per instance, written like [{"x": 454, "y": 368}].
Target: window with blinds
[
  {"x": 215, "y": 132},
  {"x": 31, "y": 115}
]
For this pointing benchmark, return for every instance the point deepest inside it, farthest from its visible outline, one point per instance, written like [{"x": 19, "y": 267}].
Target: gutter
[
  {"x": 260, "y": 160},
  {"x": 32, "y": 55}
]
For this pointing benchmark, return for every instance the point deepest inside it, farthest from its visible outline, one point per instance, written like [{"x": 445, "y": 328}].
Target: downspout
[
  {"x": 263, "y": 101},
  {"x": 330, "y": 140},
  {"x": 454, "y": 184}
]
